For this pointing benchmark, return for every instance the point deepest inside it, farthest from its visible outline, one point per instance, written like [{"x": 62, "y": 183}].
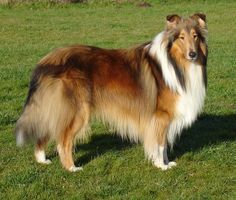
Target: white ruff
[
  {"x": 158, "y": 51},
  {"x": 190, "y": 102}
]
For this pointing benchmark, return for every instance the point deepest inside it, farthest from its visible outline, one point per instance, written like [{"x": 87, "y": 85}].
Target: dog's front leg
[
  {"x": 161, "y": 160},
  {"x": 166, "y": 160},
  {"x": 155, "y": 141}
]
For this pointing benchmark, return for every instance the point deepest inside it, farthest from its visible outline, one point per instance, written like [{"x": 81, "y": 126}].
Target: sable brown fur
[{"x": 125, "y": 88}]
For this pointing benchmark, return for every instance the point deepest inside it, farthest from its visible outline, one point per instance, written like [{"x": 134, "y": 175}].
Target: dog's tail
[
  {"x": 49, "y": 109},
  {"x": 46, "y": 114}
]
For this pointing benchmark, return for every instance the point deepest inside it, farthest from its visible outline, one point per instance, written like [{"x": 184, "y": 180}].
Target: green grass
[{"x": 116, "y": 169}]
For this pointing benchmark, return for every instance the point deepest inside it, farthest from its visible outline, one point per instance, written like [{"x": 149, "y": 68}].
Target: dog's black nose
[{"x": 192, "y": 54}]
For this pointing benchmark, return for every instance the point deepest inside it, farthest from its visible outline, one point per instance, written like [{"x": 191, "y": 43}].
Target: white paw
[
  {"x": 162, "y": 166},
  {"x": 172, "y": 164},
  {"x": 165, "y": 166},
  {"x": 75, "y": 169},
  {"x": 45, "y": 162}
]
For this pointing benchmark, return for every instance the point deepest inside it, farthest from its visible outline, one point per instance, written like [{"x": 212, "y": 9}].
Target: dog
[{"x": 148, "y": 93}]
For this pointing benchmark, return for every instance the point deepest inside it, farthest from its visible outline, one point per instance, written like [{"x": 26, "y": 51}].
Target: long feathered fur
[{"x": 148, "y": 93}]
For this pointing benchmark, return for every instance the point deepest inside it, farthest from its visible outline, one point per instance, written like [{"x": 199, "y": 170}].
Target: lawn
[{"x": 116, "y": 169}]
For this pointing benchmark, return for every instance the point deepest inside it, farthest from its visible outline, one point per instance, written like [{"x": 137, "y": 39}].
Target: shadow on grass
[
  {"x": 100, "y": 144},
  {"x": 208, "y": 130}
]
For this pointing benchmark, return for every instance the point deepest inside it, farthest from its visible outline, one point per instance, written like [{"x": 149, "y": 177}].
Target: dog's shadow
[
  {"x": 99, "y": 145},
  {"x": 208, "y": 130}
]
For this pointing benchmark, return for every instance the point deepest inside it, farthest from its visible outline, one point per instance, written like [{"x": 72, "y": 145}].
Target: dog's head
[{"x": 187, "y": 37}]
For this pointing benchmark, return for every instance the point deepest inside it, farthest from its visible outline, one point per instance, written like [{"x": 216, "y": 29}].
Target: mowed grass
[{"x": 116, "y": 169}]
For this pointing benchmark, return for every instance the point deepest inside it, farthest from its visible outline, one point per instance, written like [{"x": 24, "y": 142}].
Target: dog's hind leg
[
  {"x": 39, "y": 151},
  {"x": 65, "y": 142}
]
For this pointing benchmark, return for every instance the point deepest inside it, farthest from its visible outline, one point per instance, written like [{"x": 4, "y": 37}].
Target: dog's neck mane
[
  {"x": 191, "y": 93},
  {"x": 158, "y": 51}
]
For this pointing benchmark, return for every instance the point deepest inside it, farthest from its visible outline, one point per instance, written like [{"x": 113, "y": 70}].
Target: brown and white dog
[{"x": 148, "y": 93}]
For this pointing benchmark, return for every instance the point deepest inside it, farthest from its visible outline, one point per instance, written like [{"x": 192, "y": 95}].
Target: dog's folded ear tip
[
  {"x": 173, "y": 17},
  {"x": 202, "y": 16},
  {"x": 172, "y": 20}
]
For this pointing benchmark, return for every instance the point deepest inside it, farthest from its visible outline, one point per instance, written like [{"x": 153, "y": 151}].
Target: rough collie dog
[{"x": 147, "y": 94}]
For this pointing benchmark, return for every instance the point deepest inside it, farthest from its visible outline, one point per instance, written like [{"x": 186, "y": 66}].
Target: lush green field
[{"x": 116, "y": 169}]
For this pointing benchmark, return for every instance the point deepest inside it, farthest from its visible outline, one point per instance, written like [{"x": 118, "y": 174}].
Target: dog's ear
[
  {"x": 200, "y": 18},
  {"x": 172, "y": 21}
]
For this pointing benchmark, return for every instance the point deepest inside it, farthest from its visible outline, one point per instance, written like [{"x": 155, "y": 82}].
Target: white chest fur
[{"x": 190, "y": 102}]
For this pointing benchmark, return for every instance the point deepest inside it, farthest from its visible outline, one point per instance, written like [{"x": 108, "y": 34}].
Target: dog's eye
[
  {"x": 181, "y": 37},
  {"x": 195, "y": 36}
]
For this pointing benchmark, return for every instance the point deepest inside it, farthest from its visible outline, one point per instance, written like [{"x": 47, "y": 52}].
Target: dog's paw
[
  {"x": 44, "y": 162},
  {"x": 172, "y": 164},
  {"x": 75, "y": 169},
  {"x": 162, "y": 167},
  {"x": 165, "y": 166}
]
